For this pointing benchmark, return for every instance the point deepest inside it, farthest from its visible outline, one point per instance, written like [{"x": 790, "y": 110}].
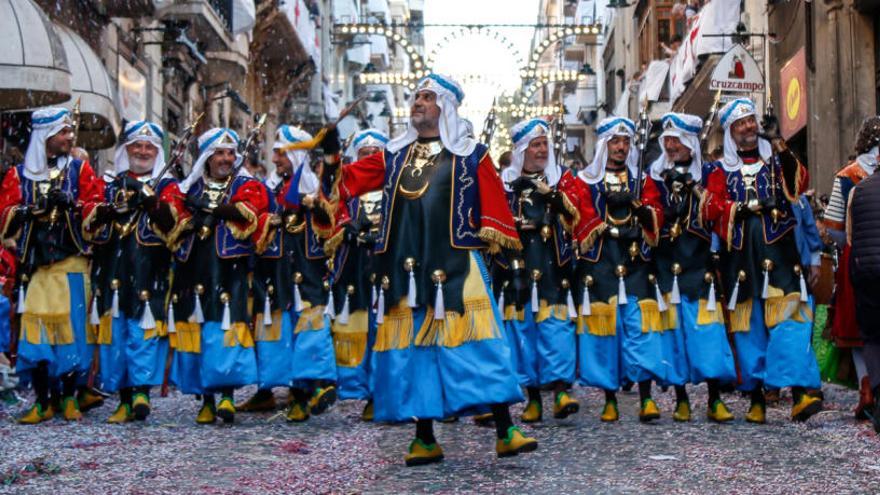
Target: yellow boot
[
  {"x": 682, "y": 412},
  {"x": 807, "y": 406},
  {"x": 297, "y": 413},
  {"x": 262, "y": 401},
  {"x": 532, "y": 412},
  {"x": 36, "y": 414},
  {"x": 610, "y": 412},
  {"x": 226, "y": 409},
  {"x": 367, "y": 413},
  {"x": 564, "y": 406},
  {"x": 421, "y": 453},
  {"x": 718, "y": 412},
  {"x": 757, "y": 413},
  {"x": 649, "y": 411},
  {"x": 322, "y": 399},
  {"x": 207, "y": 414},
  {"x": 122, "y": 415},
  {"x": 140, "y": 406},
  {"x": 71, "y": 409},
  {"x": 88, "y": 399},
  {"x": 515, "y": 443}
]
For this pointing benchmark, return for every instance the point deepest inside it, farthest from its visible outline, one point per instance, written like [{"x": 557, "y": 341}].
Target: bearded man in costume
[
  {"x": 439, "y": 349},
  {"x": 748, "y": 198}
]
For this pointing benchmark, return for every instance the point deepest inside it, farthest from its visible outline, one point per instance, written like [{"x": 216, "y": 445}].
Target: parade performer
[
  {"x": 131, "y": 269},
  {"x": 621, "y": 316},
  {"x": 697, "y": 349},
  {"x": 844, "y": 329},
  {"x": 354, "y": 329},
  {"x": 542, "y": 332},
  {"x": 45, "y": 202},
  {"x": 214, "y": 347},
  {"x": 439, "y": 349},
  {"x": 748, "y": 197},
  {"x": 297, "y": 348}
]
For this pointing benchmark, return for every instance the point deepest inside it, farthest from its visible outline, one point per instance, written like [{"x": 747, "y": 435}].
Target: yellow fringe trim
[
  {"x": 239, "y": 335},
  {"x": 250, "y": 221},
  {"x": 350, "y": 340},
  {"x": 105, "y": 330},
  {"x": 46, "y": 329},
  {"x": 396, "y": 331},
  {"x": 741, "y": 317},
  {"x": 265, "y": 236},
  {"x": 706, "y": 317},
  {"x": 497, "y": 240},
  {"x": 788, "y": 307},
  {"x": 545, "y": 311},
  {"x": 161, "y": 330},
  {"x": 331, "y": 244},
  {"x": 591, "y": 238},
  {"x": 602, "y": 321},
  {"x": 653, "y": 320},
  {"x": 572, "y": 213},
  {"x": 477, "y": 323},
  {"x": 188, "y": 337},
  {"x": 510, "y": 313},
  {"x": 89, "y": 233},
  {"x": 272, "y": 333},
  {"x": 311, "y": 318}
]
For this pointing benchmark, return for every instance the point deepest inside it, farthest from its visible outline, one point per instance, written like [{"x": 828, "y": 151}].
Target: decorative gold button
[
  {"x": 225, "y": 297},
  {"x": 768, "y": 265},
  {"x": 536, "y": 275},
  {"x": 438, "y": 276},
  {"x": 145, "y": 295},
  {"x": 114, "y": 284},
  {"x": 297, "y": 278},
  {"x": 676, "y": 269},
  {"x": 588, "y": 280},
  {"x": 409, "y": 264},
  {"x": 565, "y": 284},
  {"x": 620, "y": 271},
  {"x": 742, "y": 275},
  {"x": 270, "y": 289},
  {"x": 708, "y": 277},
  {"x": 200, "y": 289},
  {"x": 350, "y": 289},
  {"x": 386, "y": 282}
]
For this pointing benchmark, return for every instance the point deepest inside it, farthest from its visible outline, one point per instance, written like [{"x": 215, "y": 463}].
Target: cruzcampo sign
[{"x": 737, "y": 71}]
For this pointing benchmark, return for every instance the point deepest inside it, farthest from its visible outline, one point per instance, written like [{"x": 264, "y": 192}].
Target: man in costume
[
  {"x": 439, "y": 349},
  {"x": 213, "y": 343},
  {"x": 748, "y": 198},
  {"x": 143, "y": 218},
  {"x": 353, "y": 276},
  {"x": 541, "y": 330},
  {"x": 697, "y": 348},
  {"x": 45, "y": 201},
  {"x": 296, "y": 348},
  {"x": 622, "y": 317},
  {"x": 845, "y": 330}
]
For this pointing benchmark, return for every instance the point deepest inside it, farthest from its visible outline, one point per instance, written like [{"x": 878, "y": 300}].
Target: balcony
[
  {"x": 209, "y": 21},
  {"x": 127, "y": 8}
]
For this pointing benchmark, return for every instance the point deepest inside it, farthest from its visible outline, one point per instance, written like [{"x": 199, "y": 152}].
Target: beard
[{"x": 140, "y": 165}]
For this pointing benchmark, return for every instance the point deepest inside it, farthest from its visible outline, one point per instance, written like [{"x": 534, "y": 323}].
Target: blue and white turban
[
  {"x": 453, "y": 131},
  {"x": 289, "y": 134},
  {"x": 737, "y": 109},
  {"x": 210, "y": 141},
  {"x": 522, "y": 134},
  {"x": 607, "y": 129},
  {"x": 687, "y": 129},
  {"x": 366, "y": 139},
  {"x": 45, "y": 123},
  {"x": 140, "y": 130}
]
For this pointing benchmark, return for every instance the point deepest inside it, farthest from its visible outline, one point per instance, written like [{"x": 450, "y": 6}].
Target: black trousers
[{"x": 867, "y": 295}]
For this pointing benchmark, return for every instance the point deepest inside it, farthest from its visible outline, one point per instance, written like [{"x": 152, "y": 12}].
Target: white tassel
[
  {"x": 501, "y": 301},
  {"x": 585, "y": 302},
  {"x": 536, "y": 304},
  {"x": 711, "y": 302},
  {"x": 20, "y": 306},
  {"x": 380, "y": 307},
  {"x": 374, "y": 298},
  {"x": 804, "y": 297},
  {"x": 765, "y": 292},
  {"x": 731, "y": 305},
  {"x": 675, "y": 294},
  {"x": 569, "y": 301},
  {"x": 621, "y": 291},
  {"x": 172, "y": 327},
  {"x": 411, "y": 294},
  {"x": 198, "y": 315},
  {"x": 267, "y": 311},
  {"x": 114, "y": 308},
  {"x": 147, "y": 320},
  {"x": 344, "y": 314},
  {"x": 439, "y": 306},
  {"x": 226, "y": 322},
  {"x": 330, "y": 309},
  {"x": 297, "y": 299},
  {"x": 94, "y": 317},
  {"x": 661, "y": 301}
]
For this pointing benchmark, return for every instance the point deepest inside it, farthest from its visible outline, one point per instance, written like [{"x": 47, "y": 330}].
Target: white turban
[
  {"x": 453, "y": 131},
  {"x": 366, "y": 139},
  {"x": 737, "y": 109},
  {"x": 45, "y": 123},
  {"x": 140, "y": 130},
  {"x": 288, "y": 134},
  {"x": 210, "y": 141},
  {"x": 608, "y": 128},
  {"x": 687, "y": 129},
  {"x": 522, "y": 134}
]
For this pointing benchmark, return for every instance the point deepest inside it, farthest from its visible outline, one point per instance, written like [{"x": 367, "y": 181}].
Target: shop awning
[
  {"x": 33, "y": 66},
  {"x": 99, "y": 120}
]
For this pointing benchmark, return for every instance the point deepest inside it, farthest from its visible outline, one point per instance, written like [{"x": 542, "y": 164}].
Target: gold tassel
[
  {"x": 396, "y": 331},
  {"x": 740, "y": 318},
  {"x": 602, "y": 320}
]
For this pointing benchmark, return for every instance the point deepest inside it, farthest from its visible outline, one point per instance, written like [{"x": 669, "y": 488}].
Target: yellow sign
[{"x": 793, "y": 99}]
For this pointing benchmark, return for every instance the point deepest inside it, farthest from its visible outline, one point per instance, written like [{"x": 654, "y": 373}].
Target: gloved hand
[
  {"x": 60, "y": 199},
  {"x": 769, "y": 203},
  {"x": 198, "y": 204},
  {"x": 520, "y": 184},
  {"x": 619, "y": 199},
  {"x": 228, "y": 212},
  {"x": 645, "y": 216}
]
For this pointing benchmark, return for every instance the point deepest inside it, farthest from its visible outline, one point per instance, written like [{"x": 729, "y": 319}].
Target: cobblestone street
[{"x": 337, "y": 453}]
